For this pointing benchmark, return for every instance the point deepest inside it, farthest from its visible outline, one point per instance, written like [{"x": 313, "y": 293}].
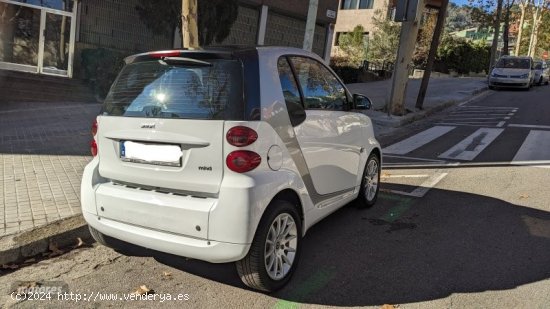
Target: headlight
[
  {"x": 524, "y": 75},
  {"x": 493, "y": 74}
]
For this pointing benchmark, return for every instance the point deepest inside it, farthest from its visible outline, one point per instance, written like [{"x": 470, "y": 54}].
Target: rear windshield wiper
[{"x": 185, "y": 61}]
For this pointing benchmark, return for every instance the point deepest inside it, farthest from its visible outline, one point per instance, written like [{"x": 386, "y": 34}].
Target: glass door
[{"x": 56, "y": 44}]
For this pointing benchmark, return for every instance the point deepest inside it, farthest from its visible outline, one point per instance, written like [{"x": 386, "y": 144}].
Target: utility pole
[
  {"x": 395, "y": 104},
  {"x": 310, "y": 24},
  {"x": 189, "y": 31},
  {"x": 431, "y": 55}
]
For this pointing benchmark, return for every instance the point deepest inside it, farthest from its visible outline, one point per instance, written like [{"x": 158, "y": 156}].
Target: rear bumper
[
  {"x": 211, "y": 229},
  {"x": 201, "y": 249}
]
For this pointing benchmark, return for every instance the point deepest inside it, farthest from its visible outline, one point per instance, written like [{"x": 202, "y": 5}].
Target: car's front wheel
[
  {"x": 275, "y": 250},
  {"x": 370, "y": 183}
]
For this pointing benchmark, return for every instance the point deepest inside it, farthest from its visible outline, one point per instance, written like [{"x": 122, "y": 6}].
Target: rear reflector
[
  {"x": 242, "y": 161},
  {"x": 241, "y": 136}
]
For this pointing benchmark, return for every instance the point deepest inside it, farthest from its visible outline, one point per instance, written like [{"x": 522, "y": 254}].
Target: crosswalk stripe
[
  {"x": 473, "y": 145},
  {"x": 535, "y": 147},
  {"x": 416, "y": 141}
]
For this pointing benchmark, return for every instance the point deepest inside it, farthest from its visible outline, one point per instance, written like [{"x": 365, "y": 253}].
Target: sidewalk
[
  {"x": 442, "y": 93},
  {"x": 45, "y": 146}
]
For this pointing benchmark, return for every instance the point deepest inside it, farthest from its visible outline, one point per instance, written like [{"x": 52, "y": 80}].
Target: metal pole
[{"x": 431, "y": 55}]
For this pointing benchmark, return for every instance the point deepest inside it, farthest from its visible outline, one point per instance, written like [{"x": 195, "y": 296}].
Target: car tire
[
  {"x": 259, "y": 269},
  {"x": 370, "y": 183},
  {"x": 102, "y": 239}
]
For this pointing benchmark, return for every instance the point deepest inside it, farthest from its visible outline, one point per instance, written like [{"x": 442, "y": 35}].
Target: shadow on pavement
[{"x": 407, "y": 250}]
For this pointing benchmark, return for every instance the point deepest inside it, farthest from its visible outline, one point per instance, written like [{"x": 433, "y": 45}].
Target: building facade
[
  {"x": 48, "y": 36},
  {"x": 358, "y": 12}
]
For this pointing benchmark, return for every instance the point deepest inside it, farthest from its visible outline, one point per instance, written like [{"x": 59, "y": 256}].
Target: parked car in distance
[
  {"x": 228, "y": 155},
  {"x": 542, "y": 72},
  {"x": 512, "y": 72}
]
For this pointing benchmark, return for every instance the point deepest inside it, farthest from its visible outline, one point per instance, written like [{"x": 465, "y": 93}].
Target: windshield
[
  {"x": 538, "y": 66},
  {"x": 514, "y": 63},
  {"x": 203, "y": 90}
]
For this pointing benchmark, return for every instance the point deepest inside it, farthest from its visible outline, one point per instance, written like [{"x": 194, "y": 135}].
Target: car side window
[
  {"x": 320, "y": 88},
  {"x": 291, "y": 93}
]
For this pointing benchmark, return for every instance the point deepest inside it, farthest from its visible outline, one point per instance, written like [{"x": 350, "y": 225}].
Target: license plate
[{"x": 155, "y": 154}]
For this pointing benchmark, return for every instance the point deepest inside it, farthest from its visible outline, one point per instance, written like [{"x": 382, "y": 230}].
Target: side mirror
[{"x": 361, "y": 102}]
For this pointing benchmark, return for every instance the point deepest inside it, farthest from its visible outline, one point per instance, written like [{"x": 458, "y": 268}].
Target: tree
[
  {"x": 485, "y": 7},
  {"x": 524, "y": 6},
  {"x": 353, "y": 45},
  {"x": 425, "y": 36},
  {"x": 541, "y": 8},
  {"x": 459, "y": 18},
  {"x": 215, "y": 17},
  {"x": 385, "y": 39},
  {"x": 506, "y": 31}
]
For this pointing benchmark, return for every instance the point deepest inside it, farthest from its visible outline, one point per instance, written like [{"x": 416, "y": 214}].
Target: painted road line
[
  {"x": 471, "y": 118},
  {"x": 466, "y": 124},
  {"x": 412, "y": 158},
  {"x": 417, "y": 141},
  {"x": 473, "y": 145},
  {"x": 479, "y": 106},
  {"x": 405, "y": 176},
  {"x": 536, "y": 147},
  {"x": 421, "y": 190},
  {"x": 501, "y": 124},
  {"x": 529, "y": 126},
  {"x": 402, "y": 166}
]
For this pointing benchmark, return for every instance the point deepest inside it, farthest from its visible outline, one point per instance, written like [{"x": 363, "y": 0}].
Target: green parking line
[{"x": 314, "y": 283}]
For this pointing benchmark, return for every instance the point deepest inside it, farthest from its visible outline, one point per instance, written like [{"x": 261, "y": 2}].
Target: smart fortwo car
[{"x": 227, "y": 155}]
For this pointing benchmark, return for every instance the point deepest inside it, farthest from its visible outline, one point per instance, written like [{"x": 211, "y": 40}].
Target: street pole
[
  {"x": 494, "y": 45},
  {"x": 310, "y": 24},
  {"x": 431, "y": 55}
]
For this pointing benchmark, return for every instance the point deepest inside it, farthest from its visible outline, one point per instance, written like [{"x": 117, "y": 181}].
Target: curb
[
  {"x": 396, "y": 122},
  {"x": 27, "y": 244}
]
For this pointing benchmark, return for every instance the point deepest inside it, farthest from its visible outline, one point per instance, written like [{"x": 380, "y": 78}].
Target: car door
[{"x": 330, "y": 138}]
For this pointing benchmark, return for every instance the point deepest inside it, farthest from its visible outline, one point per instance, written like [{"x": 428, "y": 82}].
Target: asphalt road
[{"x": 472, "y": 232}]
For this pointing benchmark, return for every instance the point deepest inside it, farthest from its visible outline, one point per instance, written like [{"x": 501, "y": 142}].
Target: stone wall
[{"x": 283, "y": 30}]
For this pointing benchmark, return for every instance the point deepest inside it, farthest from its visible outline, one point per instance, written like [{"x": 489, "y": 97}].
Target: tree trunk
[
  {"x": 496, "y": 26},
  {"x": 523, "y": 7},
  {"x": 506, "y": 31},
  {"x": 535, "y": 37},
  {"x": 534, "y": 32},
  {"x": 190, "y": 33}
]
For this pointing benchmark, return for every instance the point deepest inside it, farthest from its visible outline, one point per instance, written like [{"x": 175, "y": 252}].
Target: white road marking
[
  {"x": 473, "y": 145},
  {"x": 501, "y": 124},
  {"x": 418, "y": 140},
  {"x": 421, "y": 190},
  {"x": 478, "y": 106},
  {"x": 465, "y": 124},
  {"x": 411, "y": 158},
  {"x": 404, "y": 176},
  {"x": 536, "y": 147},
  {"x": 472, "y": 118},
  {"x": 530, "y": 126}
]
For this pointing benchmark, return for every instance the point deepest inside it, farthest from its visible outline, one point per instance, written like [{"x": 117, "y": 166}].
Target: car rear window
[
  {"x": 178, "y": 88},
  {"x": 538, "y": 65}
]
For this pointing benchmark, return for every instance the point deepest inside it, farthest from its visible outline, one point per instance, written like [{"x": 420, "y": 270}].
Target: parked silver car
[
  {"x": 542, "y": 72},
  {"x": 512, "y": 72}
]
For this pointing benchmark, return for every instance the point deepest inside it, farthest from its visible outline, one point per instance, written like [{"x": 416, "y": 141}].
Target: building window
[
  {"x": 349, "y": 4},
  {"x": 356, "y": 4},
  {"x": 366, "y": 4}
]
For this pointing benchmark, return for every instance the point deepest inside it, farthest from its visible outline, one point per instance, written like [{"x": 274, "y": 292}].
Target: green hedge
[
  {"x": 463, "y": 56},
  {"x": 101, "y": 67}
]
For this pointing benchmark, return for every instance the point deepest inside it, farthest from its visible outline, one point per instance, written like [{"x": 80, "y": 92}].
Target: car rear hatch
[{"x": 161, "y": 130}]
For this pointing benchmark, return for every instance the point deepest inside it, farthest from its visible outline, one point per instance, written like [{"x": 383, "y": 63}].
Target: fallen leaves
[
  {"x": 522, "y": 196},
  {"x": 166, "y": 275},
  {"x": 79, "y": 243},
  {"x": 144, "y": 290},
  {"x": 387, "y": 306}
]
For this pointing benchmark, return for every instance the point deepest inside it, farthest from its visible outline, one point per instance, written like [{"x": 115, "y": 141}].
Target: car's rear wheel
[
  {"x": 275, "y": 250},
  {"x": 370, "y": 184}
]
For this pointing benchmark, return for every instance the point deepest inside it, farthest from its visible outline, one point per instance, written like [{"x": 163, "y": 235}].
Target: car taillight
[
  {"x": 165, "y": 53},
  {"x": 93, "y": 148},
  {"x": 241, "y": 136},
  {"x": 242, "y": 161},
  {"x": 93, "y": 143}
]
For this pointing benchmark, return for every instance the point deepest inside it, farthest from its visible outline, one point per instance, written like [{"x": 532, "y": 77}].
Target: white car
[
  {"x": 541, "y": 73},
  {"x": 513, "y": 72},
  {"x": 228, "y": 155}
]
